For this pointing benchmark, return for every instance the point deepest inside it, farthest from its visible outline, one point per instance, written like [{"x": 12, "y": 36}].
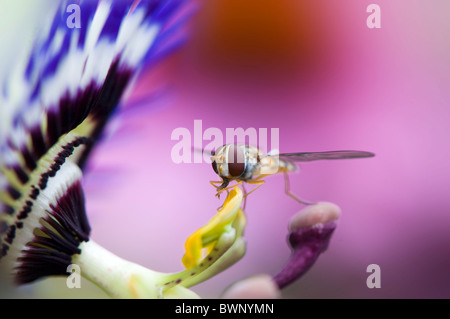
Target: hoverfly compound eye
[
  {"x": 214, "y": 166},
  {"x": 236, "y": 161}
]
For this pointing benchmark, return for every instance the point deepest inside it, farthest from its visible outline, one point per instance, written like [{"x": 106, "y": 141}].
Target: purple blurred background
[{"x": 314, "y": 70}]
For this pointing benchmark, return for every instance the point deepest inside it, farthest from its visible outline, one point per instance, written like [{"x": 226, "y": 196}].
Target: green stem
[{"x": 123, "y": 279}]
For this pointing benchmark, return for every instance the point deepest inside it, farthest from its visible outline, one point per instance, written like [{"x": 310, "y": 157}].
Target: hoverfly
[{"x": 243, "y": 163}]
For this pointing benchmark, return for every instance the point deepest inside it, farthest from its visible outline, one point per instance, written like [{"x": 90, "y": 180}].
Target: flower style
[
  {"x": 56, "y": 101},
  {"x": 310, "y": 232}
]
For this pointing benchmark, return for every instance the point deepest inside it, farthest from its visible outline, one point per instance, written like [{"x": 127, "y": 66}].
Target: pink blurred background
[
  {"x": 317, "y": 72},
  {"x": 314, "y": 70}
]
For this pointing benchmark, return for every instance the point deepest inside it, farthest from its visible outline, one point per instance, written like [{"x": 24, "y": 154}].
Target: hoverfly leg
[
  {"x": 245, "y": 196},
  {"x": 218, "y": 195},
  {"x": 221, "y": 190},
  {"x": 288, "y": 192},
  {"x": 213, "y": 183},
  {"x": 254, "y": 182}
]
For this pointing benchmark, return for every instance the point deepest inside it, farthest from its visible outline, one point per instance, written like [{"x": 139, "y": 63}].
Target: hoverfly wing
[{"x": 331, "y": 155}]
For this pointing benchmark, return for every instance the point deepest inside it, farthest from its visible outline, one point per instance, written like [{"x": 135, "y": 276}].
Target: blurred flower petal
[
  {"x": 55, "y": 97},
  {"x": 256, "y": 287}
]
